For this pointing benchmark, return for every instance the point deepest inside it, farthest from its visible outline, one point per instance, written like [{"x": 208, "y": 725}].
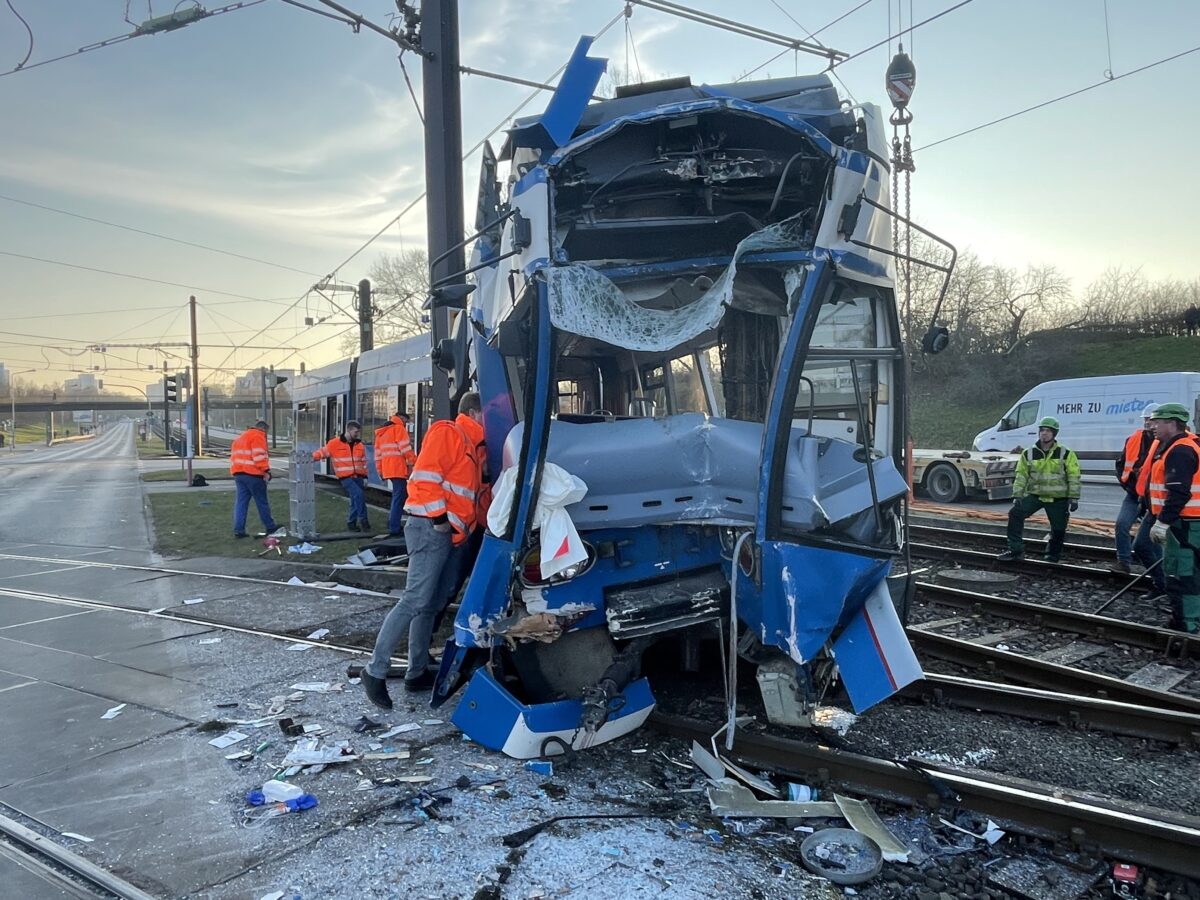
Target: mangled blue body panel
[{"x": 684, "y": 315}]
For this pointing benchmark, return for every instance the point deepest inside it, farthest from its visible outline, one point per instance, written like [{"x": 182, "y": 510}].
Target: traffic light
[
  {"x": 171, "y": 385},
  {"x": 280, "y": 379}
]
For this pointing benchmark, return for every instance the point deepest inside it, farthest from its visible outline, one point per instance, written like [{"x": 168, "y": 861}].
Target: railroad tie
[{"x": 1158, "y": 676}]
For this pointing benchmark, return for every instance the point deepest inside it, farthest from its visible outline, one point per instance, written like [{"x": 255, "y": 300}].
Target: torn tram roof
[{"x": 684, "y": 315}]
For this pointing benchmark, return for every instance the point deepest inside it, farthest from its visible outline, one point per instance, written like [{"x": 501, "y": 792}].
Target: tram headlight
[{"x": 529, "y": 573}]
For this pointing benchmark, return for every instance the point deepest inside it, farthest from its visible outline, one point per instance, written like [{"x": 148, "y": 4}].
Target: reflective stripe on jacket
[
  {"x": 1162, "y": 486},
  {"x": 1143, "y": 478},
  {"x": 1135, "y": 445},
  {"x": 248, "y": 455},
  {"x": 348, "y": 459},
  {"x": 1048, "y": 474},
  {"x": 447, "y": 479},
  {"x": 394, "y": 457}
]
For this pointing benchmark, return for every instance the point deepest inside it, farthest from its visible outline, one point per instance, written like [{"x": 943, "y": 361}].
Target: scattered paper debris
[
  {"x": 487, "y": 767},
  {"x": 432, "y": 722},
  {"x": 209, "y": 641},
  {"x": 77, "y": 837},
  {"x": 991, "y": 834},
  {"x": 305, "y": 549},
  {"x": 114, "y": 712},
  {"x": 155, "y": 612},
  {"x": 228, "y": 739},
  {"x": 389, "y": 754},
  {"x": 193, "y": 601},
  {"x": 302, "y": 756},
  {"x": 274, "y": 895},
  {"x": 317, "y": 687},
  {"x": 300, "y": 648},
  {"x": 294, "y": 579},
  {"x": 400, "y": 729},
  {"x": 318, "y": 634}
]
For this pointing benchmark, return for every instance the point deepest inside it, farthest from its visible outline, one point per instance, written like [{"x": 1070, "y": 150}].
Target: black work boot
[
  {"x": 1010, "y": 556},
  {"x": 422, "y": 682},
  {"x": 376, "y": 690}
]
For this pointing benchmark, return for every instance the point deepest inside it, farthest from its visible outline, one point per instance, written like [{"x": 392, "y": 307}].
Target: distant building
[
  {"x": 82, "y": 385},
  {"x": 250, "y": 384}
]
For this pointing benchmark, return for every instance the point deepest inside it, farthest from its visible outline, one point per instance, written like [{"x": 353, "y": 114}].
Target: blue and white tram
[{"x": 369, "y": 388}]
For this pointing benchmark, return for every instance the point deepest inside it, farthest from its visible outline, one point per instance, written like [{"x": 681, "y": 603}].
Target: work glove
[
  {"x": 1073, "y": 505},
  {"x": 1159, "y": 532},
  {"x": 267, "y": 475}
]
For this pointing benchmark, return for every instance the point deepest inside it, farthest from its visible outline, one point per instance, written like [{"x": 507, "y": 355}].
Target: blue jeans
[
  {"x": 399, "y": 498},
  {"x": 1148, "y": 553},
  {"x": 358, "y": 503},
  {"x": 1126, "y": 516},
  {"x": 251, "y": 486},
  {"x": 432, "y": 573}
]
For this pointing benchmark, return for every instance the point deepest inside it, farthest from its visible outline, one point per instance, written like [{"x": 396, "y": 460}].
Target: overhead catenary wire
[
  {"x": 153, "y": 234},
  {"x": 68, "y": 265},
  {"x": 901, "y": 32},
  {"x": 122, "y": 38},
  {"x": 421, "y": 197},
  {"x": 1061, "y": 97},
  {"x": 28, "y": 30}
]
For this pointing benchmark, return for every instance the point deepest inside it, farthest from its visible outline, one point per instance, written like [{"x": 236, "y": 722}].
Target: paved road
[
  {"x": 1101, "y": 498},
  {"x": 79, "y": 494}
]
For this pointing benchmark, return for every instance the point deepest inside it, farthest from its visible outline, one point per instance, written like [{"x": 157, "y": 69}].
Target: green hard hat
[
  {"x": 1049, "y": 422},
  {"x": 1171, "y": 411}
]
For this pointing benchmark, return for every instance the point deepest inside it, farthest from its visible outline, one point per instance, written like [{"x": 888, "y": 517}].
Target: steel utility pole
[
  {"x": 443, "y": 167},
  {"x": 166, "y": 411},
  {"x": 272, "y": 377},
  {"x": 366, "y": 317},
  {"x": 262, "y": 388},
  {"x": 196, "y": 443}
]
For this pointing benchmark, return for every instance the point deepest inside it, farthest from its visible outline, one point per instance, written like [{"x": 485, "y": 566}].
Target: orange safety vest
[
  {"x": 394, "y": 457},
  {"x": 348, "y": 459},
  {"x": 447, "y": 479},
  {"x": 1158, "y": 481},
  {"x": 1133, "y": 451},
  {"x": 1143, "y": 481},
  {"x": 248, "y": 455}
]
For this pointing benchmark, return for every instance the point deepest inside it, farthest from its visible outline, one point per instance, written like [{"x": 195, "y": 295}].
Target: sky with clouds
[{"x": 282, "y": 136}]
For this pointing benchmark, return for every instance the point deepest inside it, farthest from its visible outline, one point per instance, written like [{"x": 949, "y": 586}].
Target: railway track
[
  {"x": 988, "y": 540},
  {"x": 1055, "y": 667},
  {"x": 1123, "y": 831},
  {"x": 1068, "y": 710},
  {"x": 63, "y": 872},
  {"x": 980, "y": 559}
]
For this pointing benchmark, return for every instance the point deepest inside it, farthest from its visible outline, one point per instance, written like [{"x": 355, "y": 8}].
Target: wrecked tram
[{"x": 685, "y": 335}]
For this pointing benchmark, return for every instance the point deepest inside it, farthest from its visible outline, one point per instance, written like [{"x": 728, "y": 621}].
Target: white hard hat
[{"x": 1149, "y": 410}]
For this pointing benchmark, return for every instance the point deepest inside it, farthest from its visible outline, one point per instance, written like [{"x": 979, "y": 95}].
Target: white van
[{"x": 1096, "y": 415}]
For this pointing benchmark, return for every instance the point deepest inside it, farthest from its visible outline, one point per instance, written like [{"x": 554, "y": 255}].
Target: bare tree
[{"x": 400, "y": 284}]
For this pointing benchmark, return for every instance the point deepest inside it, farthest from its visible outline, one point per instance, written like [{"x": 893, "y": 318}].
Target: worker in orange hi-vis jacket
[
  {"x": 394, "y": 460},
  {"x": 250, "y": 467},
  {"x": 445, "y": 489},
  {"x": 349, "y": 458}
]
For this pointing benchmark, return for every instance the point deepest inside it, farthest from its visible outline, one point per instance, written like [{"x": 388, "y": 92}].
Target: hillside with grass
[{"x": 949, "y": 408}]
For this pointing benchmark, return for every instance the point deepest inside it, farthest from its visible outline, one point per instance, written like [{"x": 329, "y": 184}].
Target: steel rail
[
  {"x": 981, "y": 560},
  {"x": 1068, "y": 710},
  {"x": 1171, "y": 643},
  {"x": 998, "y": 539},
  {"x": 1040, "y": 673},
  {"x": 33, "y": 847},
  {"x": 169, "y": 616},
  {"x": 164, "y": 570},
  {"x": 1126, "y": 831}
]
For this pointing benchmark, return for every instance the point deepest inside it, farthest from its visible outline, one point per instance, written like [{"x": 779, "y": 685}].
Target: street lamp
[{"x": 12, "y": 400}]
